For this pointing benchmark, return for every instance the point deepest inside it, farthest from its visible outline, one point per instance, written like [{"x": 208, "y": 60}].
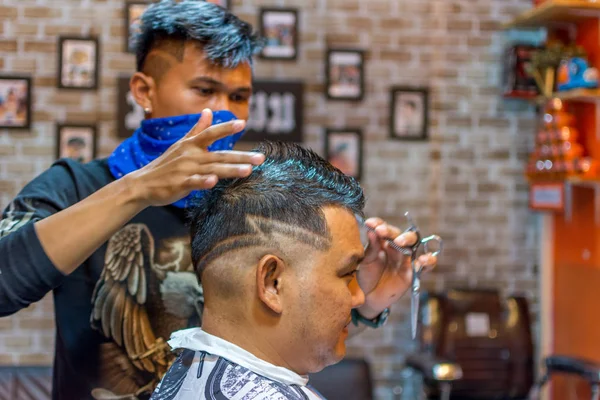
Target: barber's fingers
[
  {"x": 234, "y": 157},
  {"x": 199, "y": 182},
  {"x": 206, "y": 175},
  {"x": 207, "y": 136},
  {"x": 426, "y": 261},
  {"x": 203, "y": 123}
]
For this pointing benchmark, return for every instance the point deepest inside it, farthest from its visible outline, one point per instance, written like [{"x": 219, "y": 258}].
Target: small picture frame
[
  {"x": 221, "y": 3},
  {"x": 15, "y": 102},
  {"x": 76, "y": 141},
  {"x": 279, "y": 26},
  {"x": 133, "y": 12},
  {"x": 409, "y": 113},
  {"x": 343, "y": 149},
  {"x": 344, "y": 74},
  {"x": 78, "y": 62},
  {"x": 129, "y": 113}
]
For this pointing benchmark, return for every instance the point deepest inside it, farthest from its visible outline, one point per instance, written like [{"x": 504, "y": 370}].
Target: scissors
[{"x": 428, "y": 243}]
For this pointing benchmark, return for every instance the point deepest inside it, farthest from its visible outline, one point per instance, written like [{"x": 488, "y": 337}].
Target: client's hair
[{"x": 283, "y": 196}]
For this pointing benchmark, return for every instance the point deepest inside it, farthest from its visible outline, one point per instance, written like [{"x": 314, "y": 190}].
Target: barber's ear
[
  {"x": 143, "y": 89},
  {"x": 268, "y": 282}
]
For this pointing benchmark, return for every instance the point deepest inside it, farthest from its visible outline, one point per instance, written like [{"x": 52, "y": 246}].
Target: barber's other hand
[
  {"x": 187, "y": 165},
  {"x": 385, "y": 274}
]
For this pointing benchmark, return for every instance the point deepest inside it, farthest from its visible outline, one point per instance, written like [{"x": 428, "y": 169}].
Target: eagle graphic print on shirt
[{"x": 141, "y": 297}]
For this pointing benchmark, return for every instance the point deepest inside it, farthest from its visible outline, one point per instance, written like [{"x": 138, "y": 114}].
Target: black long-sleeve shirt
[{"x": 104, "y": 316}]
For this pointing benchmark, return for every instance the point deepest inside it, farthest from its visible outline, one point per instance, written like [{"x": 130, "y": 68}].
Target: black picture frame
[
  {"x": 226, "y": 4},
  {"x": 267, "y": 17},
  {"x": 129, "y": 113},
  {"x": 75, "y": 46},
  {"x": 78, "y": 135},
  {"x": 276, "y": 111},
  {"x": 405, "y": 102},
  {"x": 339, "y": 140},
  {"x": 133, "y": 10},
  {"x": 353, "y": 61},
  {"x": 15, "y": 113}
]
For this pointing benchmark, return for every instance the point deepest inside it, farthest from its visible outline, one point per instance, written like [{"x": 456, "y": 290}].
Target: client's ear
[{"x": 268, "y": 281}]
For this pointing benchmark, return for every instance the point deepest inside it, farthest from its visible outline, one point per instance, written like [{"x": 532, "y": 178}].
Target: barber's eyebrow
[
  {"x": 214, "y": 82},
  {"x": 352, "y": 262}
]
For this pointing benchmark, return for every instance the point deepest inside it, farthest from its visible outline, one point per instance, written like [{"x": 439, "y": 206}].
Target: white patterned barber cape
[{"x": 212, "y": 368}]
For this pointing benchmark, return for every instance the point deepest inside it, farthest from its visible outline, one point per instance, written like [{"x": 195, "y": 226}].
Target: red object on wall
[{"x": 516, "y": 82}]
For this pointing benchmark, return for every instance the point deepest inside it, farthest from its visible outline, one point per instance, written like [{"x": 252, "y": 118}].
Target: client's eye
[
  {"x": 352, "y": 273},
  {"x": 204, "y": 91}
]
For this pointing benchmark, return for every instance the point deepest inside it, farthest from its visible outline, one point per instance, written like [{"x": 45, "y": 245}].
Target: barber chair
[
  {"x": 477, "y": 345},
  {"x": 350, "y": 379}
]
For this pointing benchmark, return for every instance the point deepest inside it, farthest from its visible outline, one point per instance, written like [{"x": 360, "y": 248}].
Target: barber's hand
[
  {"x": 187, "y": 165},
  {"x": 385, "y": 274}
]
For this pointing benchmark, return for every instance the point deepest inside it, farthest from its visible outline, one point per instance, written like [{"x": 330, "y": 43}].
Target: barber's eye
[{"x": 239, "y": 98}]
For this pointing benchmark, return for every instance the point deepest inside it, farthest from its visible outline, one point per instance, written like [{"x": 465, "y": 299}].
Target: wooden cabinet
[{"x": 570, "y": 248}]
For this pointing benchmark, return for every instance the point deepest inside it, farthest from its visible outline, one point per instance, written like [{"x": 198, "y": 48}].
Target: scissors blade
[{"x": 414, "y": 304}]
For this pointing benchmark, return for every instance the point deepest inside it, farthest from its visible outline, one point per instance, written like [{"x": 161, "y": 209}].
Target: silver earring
[{"x": 147, "y": 110}]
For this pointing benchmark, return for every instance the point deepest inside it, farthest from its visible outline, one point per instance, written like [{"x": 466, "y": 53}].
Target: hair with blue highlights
[
  {"x": 285, "y": 195},
  {"x": 225, "y": 39}
]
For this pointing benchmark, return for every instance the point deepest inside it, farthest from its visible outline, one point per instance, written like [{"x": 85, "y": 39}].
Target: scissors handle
[
  {"x": 427, "y": 243},
  {"x": 407, "y": 251},
  {"x": 433, "y": 239}
]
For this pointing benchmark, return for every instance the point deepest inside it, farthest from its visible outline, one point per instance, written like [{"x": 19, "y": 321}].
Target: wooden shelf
[
  {"x": 583, "y": 182},
  {"x": 568, "y": 185},
  {"x": 556, "y": 11},
  {"x": 583, "y": 95}
]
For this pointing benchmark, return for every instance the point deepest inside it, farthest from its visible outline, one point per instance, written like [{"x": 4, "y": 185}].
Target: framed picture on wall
[
  {"x": 133, "y": 12},
  {"x": 129, "y": 113},
  {"x": 343, "y": 149},
  {"x": 279, "y": 26},
  {"x": 78, "y": 62},
  {"x": 276, "y": 111},
  {"x": 15, "y": 102},
  {"x": 76, "y": 141},
  {"x": 223, "y": 3},
  {"x": 409, "y": 113},
  {"x": 344, "y": 74}
]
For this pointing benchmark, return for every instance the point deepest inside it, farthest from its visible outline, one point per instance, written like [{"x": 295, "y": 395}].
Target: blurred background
[{"x": 407, "y": 95}]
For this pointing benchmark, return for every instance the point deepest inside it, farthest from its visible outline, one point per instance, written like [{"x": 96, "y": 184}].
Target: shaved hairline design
[{"x": 263, "y": 232}]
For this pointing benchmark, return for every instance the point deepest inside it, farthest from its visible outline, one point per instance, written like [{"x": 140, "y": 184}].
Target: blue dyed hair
[
  {"x": 292, "y": 186},
  {"x": 226, "y": 40}
]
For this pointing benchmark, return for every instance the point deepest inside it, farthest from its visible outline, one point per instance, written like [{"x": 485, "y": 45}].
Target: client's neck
[{"x": 246, "y": 335}]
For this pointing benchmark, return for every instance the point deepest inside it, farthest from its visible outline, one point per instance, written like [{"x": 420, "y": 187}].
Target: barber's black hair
[
  {"x": 283, "y": 195},
  {"x": 226, "y": 40}
]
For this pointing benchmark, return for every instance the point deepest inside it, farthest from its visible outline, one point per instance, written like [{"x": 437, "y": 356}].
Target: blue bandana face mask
[{"x": 155, "y": 136}]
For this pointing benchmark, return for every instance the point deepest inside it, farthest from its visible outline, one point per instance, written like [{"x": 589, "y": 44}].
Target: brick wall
[{"x": 465, "y": 184}]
